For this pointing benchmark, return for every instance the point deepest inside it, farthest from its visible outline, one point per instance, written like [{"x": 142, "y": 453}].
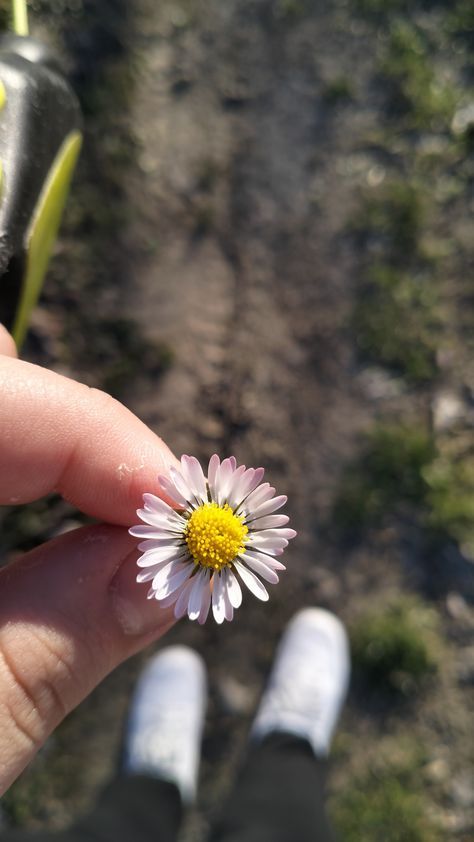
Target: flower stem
[{"x": 20, "y": 17}]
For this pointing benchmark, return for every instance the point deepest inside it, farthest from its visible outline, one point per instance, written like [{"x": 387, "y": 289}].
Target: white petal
[
  {"x": 167, "y": 580},
  {"x": 200, "y": 583},
  {"x": 279, "y": 533},
  {"x": 166, "y": 601},
  {"x": 233, "y": 588},
  {"x": 150, "y": 571},
  {"x": 260, "y": 495},
  {"x": 228, "y": 607},
  {"x": 154, "y": 557},
  {"x": 165, "y": 523},
  {"x": 143, "y": 531},
  {"x": 214, "y": 463},
  {"x": 223, "y": 481},
  {"x": 262, "y": 569},
  {"x": 268, "y": 507},
  {"x": 181, "y": 484},
  {"x": 250, "y": 580},
  {"x": 267, "y": 559},
  {"x": 146, "y": 575},
  {"x": 205, "y": 604},
  {"x": 245, "y": 482},
  {"x": 270, "y": 545},
  {"x": 250, "y": 480},
  {"x": 269, "y": 522},
  {"x": 153, "y": 503},
  {"x": 182, "y": 602},
  {"x": 163, "y": 573},
  {"x": 172, "y": 492},
  {"x": 257, "y": 478},
  {"x": 234, "y": 496},
  {"x": 194, "y": 476},
  {"x": 218, "y": 603},
  {"x": 233, "y": 462},
  {"x": 159, "y": 543}
]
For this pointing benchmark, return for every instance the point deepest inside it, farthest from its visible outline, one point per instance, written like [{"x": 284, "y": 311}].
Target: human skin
[{"x": 70, "y": 610}]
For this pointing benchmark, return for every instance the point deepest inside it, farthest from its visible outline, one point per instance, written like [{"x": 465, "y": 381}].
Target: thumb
[
  {"x": 70, "y": 611},
  {"x": 7, "y": 343}
]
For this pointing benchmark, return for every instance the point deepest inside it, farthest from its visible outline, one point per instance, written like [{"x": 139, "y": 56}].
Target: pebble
[
  {"x": 465, "y": 670},
  {"x": 235, "y": 697},
  {"x": 438, "y": 770},
  {"x": 379, "y": 385},
  {"x": 463, "y": 119},
  {"x": 457, "y": 606},
  {"x": 447, "y": 409},
  {"x": 462, "y": 789}
]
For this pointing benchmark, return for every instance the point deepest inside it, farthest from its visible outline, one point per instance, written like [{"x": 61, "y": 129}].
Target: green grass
[
  {"x": 396, "y": 324},
  {"x": 417, "y": 97},
  {"x": 338, "y": 90},
  {"x": 396, "y": 317},
  {"x": 450, "y": 499},
  {"x": 25, "y": 527},
  {"x": 460, "y": 21},
  {"x": 383, "y": 9},
  {"x": 388, "y": 472},
  {"x": 393, "y": 217},
  {"x": 379, "y": 8},
  {"x": 388, "y": 807},
  {"x": 396, "y": 647},
  {"x": 400, "y": 468},
  {"x": 124, "y": 356},
  {"x": 291, "y": 10}
]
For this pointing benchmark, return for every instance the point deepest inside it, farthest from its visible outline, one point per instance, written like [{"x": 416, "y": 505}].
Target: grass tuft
[
  {"x": 396, "y": 648},
  {"x": 388, "y": 806},
  {"x": 396, "y": 323},
  {"x": 450, "y": 499},
  {"x": 417, "y": 94},
  {"x": 338, "y": 90},
  {"x": 388, "y": 472},
  {"x": 391, "y": 219}
]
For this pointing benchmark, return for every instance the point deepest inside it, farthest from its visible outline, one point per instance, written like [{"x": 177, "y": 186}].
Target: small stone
[
  {"x": 447, "y": 409},
  {"x": 438, "y": 770},
  {"x": 462, "y": 790},
  {"x": 379, "y": 385},
  {"x": 463, "y": 119},
  {"x": 235, "y": 697},
  {"x": 457, "y": 606},
  {"x": 465, "y": 670},
  {"x": 375, "y": 175}
]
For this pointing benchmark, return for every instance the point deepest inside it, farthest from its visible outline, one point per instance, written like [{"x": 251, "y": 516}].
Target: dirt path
[
  {"x": 223, "y": 242},
  {"x": 250, "y": 286}
]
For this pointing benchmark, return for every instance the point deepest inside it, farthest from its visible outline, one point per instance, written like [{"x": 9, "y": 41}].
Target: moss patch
[
  {"x": 389, "y": 807},
  {"x": 396, "y": 322},
  {"x": 397, "y": 647},
  {"x": 388, "y": 472}
]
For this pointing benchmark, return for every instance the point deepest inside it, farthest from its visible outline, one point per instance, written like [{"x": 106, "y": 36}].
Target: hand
[{"x": 70, "y": 611}]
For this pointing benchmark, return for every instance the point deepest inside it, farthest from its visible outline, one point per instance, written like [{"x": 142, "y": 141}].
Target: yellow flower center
[{"x": 214, "y": 535}]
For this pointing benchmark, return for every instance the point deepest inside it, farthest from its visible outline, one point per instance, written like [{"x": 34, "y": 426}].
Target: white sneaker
[
  {"x": 308, "y": 682},
  {"x": 166, "y": 720}
]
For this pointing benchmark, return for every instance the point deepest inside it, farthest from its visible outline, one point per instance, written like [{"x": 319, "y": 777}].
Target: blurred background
[{"x": 268, "y": 251}]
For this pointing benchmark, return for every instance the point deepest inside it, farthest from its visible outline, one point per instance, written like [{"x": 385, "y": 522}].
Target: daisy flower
[{"x": 220, "y": 529}]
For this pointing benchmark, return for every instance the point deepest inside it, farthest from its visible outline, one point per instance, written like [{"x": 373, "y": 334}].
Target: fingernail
[{"x": 137, "y": 615}]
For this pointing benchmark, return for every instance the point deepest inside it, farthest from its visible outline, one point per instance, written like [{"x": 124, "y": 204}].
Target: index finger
[{"x": 59, "y": 435}]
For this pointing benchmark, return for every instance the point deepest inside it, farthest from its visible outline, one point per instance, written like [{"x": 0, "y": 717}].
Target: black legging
[{"x": 278, "y": 797}]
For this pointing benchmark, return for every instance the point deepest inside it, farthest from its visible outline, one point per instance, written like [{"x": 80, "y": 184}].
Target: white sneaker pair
[{"x": 304, "y": 696}]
